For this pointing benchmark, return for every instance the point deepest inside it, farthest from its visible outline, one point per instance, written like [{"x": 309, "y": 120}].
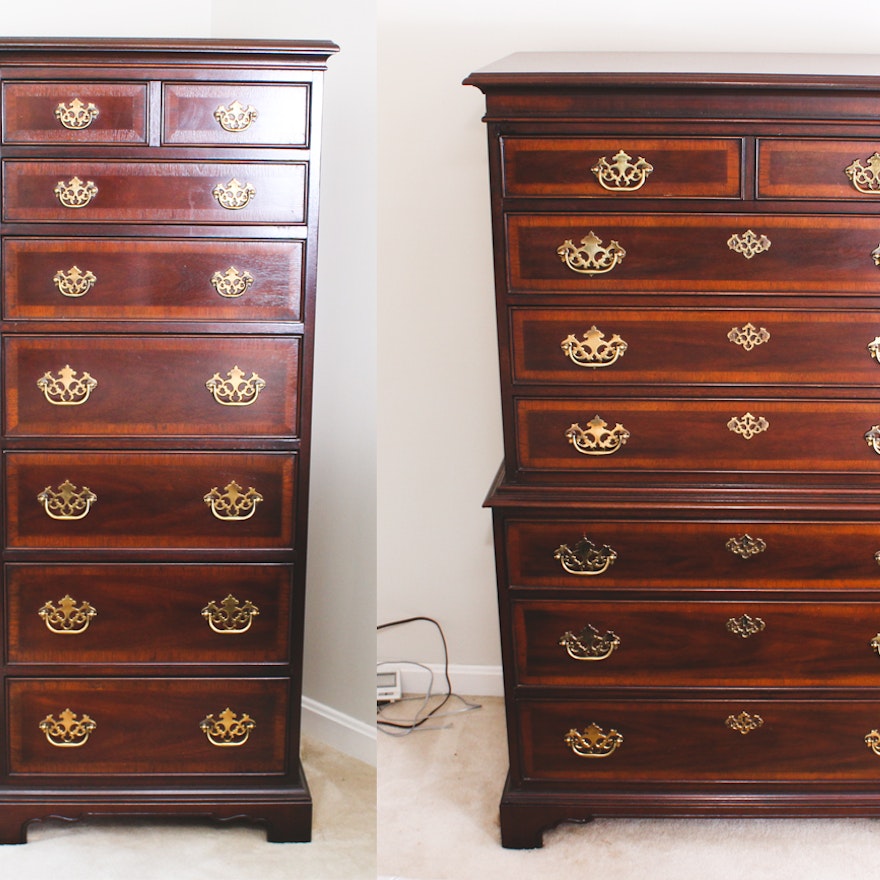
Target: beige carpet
[
  {"x": 343, "y": 840},
  {"x": 438, "y": 820}
]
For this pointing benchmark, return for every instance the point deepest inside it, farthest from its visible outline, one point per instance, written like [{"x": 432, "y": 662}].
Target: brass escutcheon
[
  {"x": 748, "y": 426},
  {"x": 589, "y": 644},
  {"x": 230, "y": 616},
  {"x": 233, "y": 504},
  {"x": 228, "y": 729},
  {"x": 234, "y": 195},
  {"x": 66, "y": 389},
  {"x": 236, "y": 117},
  {"x": 865, "y": 180},
  {"x": 593, "y": 742},
  {"x": 745, "y": 627},
  {"x": 594, "y": 350},
  {"x": 748, "y": 336},
  {"x": 746, "y": 546},
  {"x": 67, "y": 618},
  {"x": 585, "y": 558},
  {"x": 748, "y": 244},
  {"x": 67, "y": 732},
  {"x": 75, "y": 193},
  {"x": 596, "y": 438},
  {"x": 591, "y": 258},
  {"x": 76, "y": 115},
  {"x": 74, "y": 282},
  {"x": 621, "y": 173},
  {"x": 235, "y": 390},
  {"x": 744, "y": 723},
  {"x": 231, "y": 283},
  {"x": 67, "y": 502}
]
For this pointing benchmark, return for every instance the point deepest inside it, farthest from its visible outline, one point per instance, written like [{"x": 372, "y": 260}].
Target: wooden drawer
[
  {"x": 690, "y": 254},
  {"x": 160, "y": 279},
  {"x": 74, "y": 112},
  {"x": 65, "y": 386},
  {"x": 123, "y": 614},
  {"x": 754, "y": 436},
  {"x": 150, "y": 500},
  {"x": 733, "y": 554},
  {"x": 594, "y": 347},
  {"x": 153, "y": 192},
  {"x": 817, "y": 169},
  {"x": 648, "y": 168},
  {"x": 696, "y": 644},
  {"x": 235, "y": 114},
  {"x": 688, "y": 739},
  {"x": 146, "y": 726}
]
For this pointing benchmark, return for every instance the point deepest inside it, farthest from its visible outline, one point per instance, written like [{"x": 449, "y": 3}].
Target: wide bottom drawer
[
  {"x": 129, "y": 727},
  {"x": 750, "y": 739}
]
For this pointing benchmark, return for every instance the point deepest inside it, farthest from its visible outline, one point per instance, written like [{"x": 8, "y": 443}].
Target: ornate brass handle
[
  {"x": 745, "y": 627},
  {"x": 746, "y": 546},
  {"x": 228, "y": 730},
  {"x": 233, "y": 504},
  {"x": 748, "y": 244},
  {"x": 874, "y": 348},
  {"x": 234, "y": 195},
  {"x": 235, "y": 390},
  {"x": 66, "y": 389},
  {"x": 594, "y": 350},
  {"x": 231, "y": 283},
  {"x": 865, "y": 180},
  {"x": 67, "y": 502},
  {"x": 75, "y": 193},
  {"x": 875, "y": 254},
  {"x": 591, "y": 258},
  {"x": 585, "y": 558},
  {"x": 593, "y": 742},
  {"x": 744, "y": 723},
  {"x": 67, "y": 732},
  {"x": 872, "y": 438},
  {"x": 76, "y": 115},
  {"x": 236, "y": 117},
  {"x": 74, "y": 282},
  {"x": 67, "y": 618},
  {"x": 872, "y": 741},
  {"x": 596, "y": 439},
  {"x": 875, "y": 643},
  {"x": 748, "y": 426},
  {"x": 748, "y": 336},
  {"x": 621, "y": 174},
  {"x": 230, "y": 616},
  {"x": 589, "y": 645}
]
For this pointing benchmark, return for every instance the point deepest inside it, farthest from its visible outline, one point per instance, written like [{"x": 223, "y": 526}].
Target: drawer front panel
[
  {"x": 153, "y": 386},
  {"x": 149, "y": 500},
  {"x": 145, "y": 726},
  {"x": 695, "y": 435},
  {"x": 696, "y": 644},
  {"x": 74, "y": 113},
  {"x": 153, "y": 192},
  {"x": 157, "y": 280},
  {"x": 124, "y": 614},
  {"x": 817, "y": 169},
  {"x": 752, "y": 346},
  {"x": 691, "y": 254},
  {"x": 694, "y": 555},
  {"x": 648, "y": 168},
  {"x": 682, "y": 740},
  {"x": 235, "y": 114}
]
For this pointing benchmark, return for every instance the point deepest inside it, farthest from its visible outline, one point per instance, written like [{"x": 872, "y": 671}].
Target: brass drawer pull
[
  {"x": 875, "y": 643},
  {"x": 748, "y": 336},
  {"x": 594, "y": 350},
  {"x": 236, "y": 117},
  {"x": 872, "y": 438},
  {"x": 745, "y": 627},
  {"x": 585, "y": 558},
  {"x": 66, "y": 389},
  {"x": 591, "y": 258},
  {"x": 235, "y": 390},
  {"x": 744, "y": 723},
  {"x": 589, "y": 644},
  {"x": 75, "y": 193},
  {"x": 76, "y": 115},
  {"x": 67, "y": 732},
  {"x": 593, "y": 742},
  {"x": 874, "y": 348},
  {"x": 872, "y": 741},
  {"x": 875, "y": 254},
  {"x": 748, "y": 244},
  {"x": 231, "y": 283},
  {"x": 596, "y": 439},
  {"x": 228, "y": 730},
  {"x": 230, "y": 616},
  {"x": 748, "y": 426},
  {"x": 865, "y": 180},
  {"x": 233, "y": 504},
  {"x": 746, "y": 547},
  {"x": 621, "y": 174},
  {"x": 67, "y": 618},
  {"x": 74, "y": 282},
  {"x": 67, "y": 502},
  {"x": 234, "y": 195}
]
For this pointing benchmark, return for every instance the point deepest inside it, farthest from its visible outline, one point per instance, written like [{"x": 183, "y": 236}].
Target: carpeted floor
[
  {"x": 343, "y": 839},
  {"x": 438, "y": 820}
]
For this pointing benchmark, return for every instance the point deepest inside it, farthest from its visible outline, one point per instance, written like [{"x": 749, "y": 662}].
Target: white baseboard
[
  {"x": 338, "y": 730},
  {"x": 469, "y": 681}
]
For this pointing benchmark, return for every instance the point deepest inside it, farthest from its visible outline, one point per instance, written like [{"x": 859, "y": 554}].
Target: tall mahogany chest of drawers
[
  {"x": 687, "y": 520},
  {"x": 159, "y": 231}
]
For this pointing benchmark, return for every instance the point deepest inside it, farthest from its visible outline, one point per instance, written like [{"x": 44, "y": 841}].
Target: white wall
[{"x": 439, "y": 415}]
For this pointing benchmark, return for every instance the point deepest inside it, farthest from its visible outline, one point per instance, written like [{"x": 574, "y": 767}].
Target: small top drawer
[
  {"x": 622, "y": 167},
  {"x": 236, "y": 114},
  {"x": 74, "y": 113}
]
